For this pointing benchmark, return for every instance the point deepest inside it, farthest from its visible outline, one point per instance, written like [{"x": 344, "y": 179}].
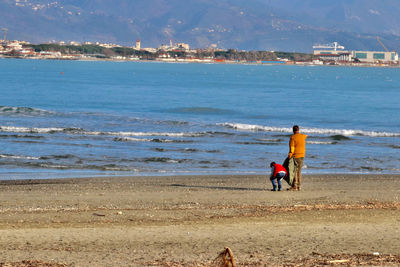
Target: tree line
[{"x": 230, "y": 54}]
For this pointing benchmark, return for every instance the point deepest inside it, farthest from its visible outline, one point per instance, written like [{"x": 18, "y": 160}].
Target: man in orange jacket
[{"x": 297, "y": 150}]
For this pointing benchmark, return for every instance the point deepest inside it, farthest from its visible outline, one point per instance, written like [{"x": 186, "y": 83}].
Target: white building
[
  {"x": 183, "y": 46},
  {"x": 150, "y": 49},
  {"x": 376, "y": 57},
  {"x": 176, "y": 46},
  {"x": 13, "y": 45},
  {"x": 336, "y": 52},
  {"x": 74, "y": 43}
]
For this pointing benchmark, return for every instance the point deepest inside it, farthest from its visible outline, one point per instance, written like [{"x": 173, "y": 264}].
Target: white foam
[
  {"x": 15, "y": 129},
  {"x": 324, "y": 131},
  {"x": 50, "y": 166},
  {"x": 132, "y": 139},
  {"x": 254, "y": 127},
  {"x": 18, "y": 157},
  {"x": 321, "y": 143},
  {"x": 147, "y": 134}
]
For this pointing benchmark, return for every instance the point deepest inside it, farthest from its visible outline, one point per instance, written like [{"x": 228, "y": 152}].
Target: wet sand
[{"x": 188, "y": 220}]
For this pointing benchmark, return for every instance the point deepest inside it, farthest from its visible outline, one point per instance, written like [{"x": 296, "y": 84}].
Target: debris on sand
[
  {"x": 32, "y": 263},
  {"x": 225, "y": 259}
]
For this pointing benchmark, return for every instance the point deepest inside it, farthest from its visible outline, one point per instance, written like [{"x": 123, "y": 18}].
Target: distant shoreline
[{"x": 207, "y": 62}]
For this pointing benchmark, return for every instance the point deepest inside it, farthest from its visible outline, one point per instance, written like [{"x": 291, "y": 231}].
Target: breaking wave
[
  {"x": 322, "y": 142},
  {"x": 185, "y": 150},
  {"x": 14, "y": 129},
  {"x": 26, "y": 111},
  {"x": 9, "y": 156},
  {"x": 164, "y": 160},
  {"x": 53, "y": 130},
  {"x": 338, "y": 132},
  {"x": 155, "y": 140}
]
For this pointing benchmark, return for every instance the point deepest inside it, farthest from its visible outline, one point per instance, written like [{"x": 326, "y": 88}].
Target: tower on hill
[{"x": 138, "y": 44}]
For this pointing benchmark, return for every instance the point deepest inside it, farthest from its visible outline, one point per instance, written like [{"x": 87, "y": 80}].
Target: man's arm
[{"x": 291, "y": 147}]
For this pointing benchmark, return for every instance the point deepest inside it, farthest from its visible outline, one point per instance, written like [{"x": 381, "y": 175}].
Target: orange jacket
[{"x": 297, "y": 145}]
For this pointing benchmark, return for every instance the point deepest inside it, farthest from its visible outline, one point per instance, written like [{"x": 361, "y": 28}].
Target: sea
[{"x": 61, "y": 119}]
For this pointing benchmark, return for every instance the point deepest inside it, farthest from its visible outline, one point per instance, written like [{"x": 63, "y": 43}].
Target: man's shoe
[
  {"x": 273, "y": 190},
  {"x": 292, "y": 189}
]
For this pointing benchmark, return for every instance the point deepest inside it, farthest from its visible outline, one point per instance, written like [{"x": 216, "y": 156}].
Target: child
[{"x": 277, "y": 172}]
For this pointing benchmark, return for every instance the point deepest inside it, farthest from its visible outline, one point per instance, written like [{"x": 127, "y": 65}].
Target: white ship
[{"x": 335, "y": 46}]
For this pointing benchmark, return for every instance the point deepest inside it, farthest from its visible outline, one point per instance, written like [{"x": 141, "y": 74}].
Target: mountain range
[{"x": 279, "y": 25}]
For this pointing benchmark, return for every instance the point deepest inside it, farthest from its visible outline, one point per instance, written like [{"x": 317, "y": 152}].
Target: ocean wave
[
  {"x": 71, "y": 130},
  {"x": 58, "y": 157},
  {"x": 276, "y": 140},
  {"x": 175, "y": 123},
  {"x": 339, "y": 137},
  {"x": 155, "y": 140},
  {"x": 138, "y": 134},
  {"x": 28, "y": 142},
  {"x": 41, "y": 158},
  {"x": 66, "y": 166},
  {"x": 26, "y": 111},
  {"x": 216, "y": 133},
  {"x": 322, "y": 142},
  {"x": 9, "y": 156},
  {"x": 202, "y": 110},
  {"x": 257, "y": 143},
  {"x": 324, "y": 131},
  {"x": 16, "y": 129},
  {"x": 163, "y": 160},
  {"x": 131, "y": 139},
  {"x": 254, "y": 127},
  {"x": 185, "y": 150},
  {"x": 372, "y": 169},
  {"x": 17, "y": 136},
  {"x": 189, "y": 150}
]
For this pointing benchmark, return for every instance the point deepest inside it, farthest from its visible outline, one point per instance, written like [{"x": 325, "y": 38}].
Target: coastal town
[{"x": 327, "y": 54}]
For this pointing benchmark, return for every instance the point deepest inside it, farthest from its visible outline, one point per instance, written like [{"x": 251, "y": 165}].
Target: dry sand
[{"x": 188, "y": 220}]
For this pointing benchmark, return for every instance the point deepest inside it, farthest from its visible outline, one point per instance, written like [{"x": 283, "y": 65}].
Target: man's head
[
  {"x": 296, "y": 129},
  {"x": 272, "y": 164}
]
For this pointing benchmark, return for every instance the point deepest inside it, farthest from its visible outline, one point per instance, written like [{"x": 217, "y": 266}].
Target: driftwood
[
  {"x": 225, "y": 259},
  {"x": 99, "y": 214}
]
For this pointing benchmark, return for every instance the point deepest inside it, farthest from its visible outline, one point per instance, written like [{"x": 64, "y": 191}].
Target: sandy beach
[{"x": 349, "y": 220}]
